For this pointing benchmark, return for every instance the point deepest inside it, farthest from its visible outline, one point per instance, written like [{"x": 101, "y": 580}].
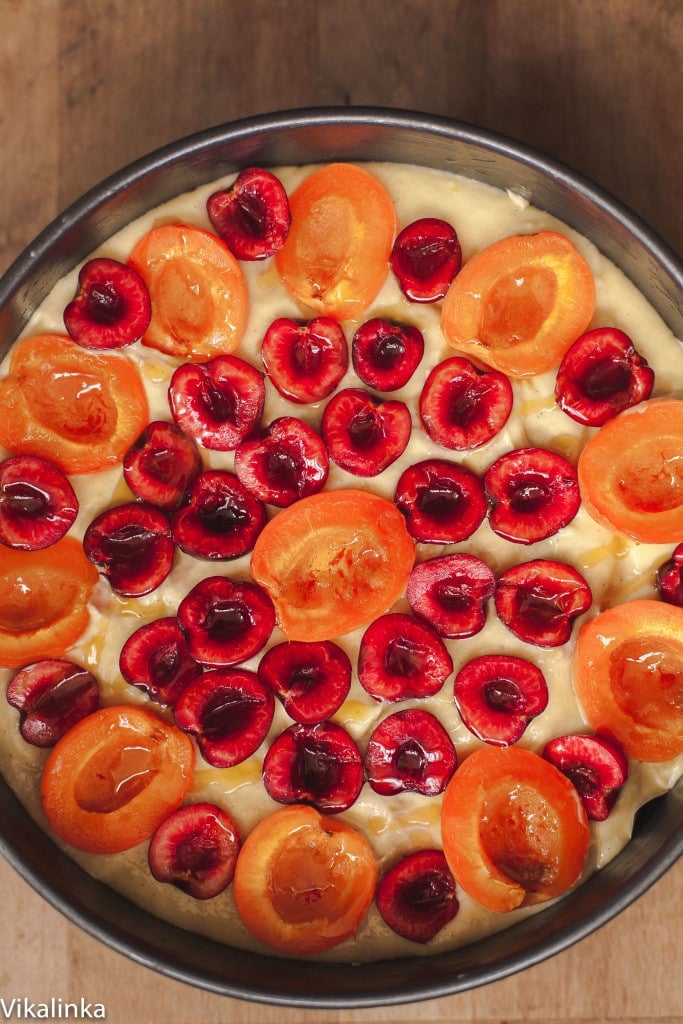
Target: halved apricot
[
  {"x": 520, "y": 303},
  {"x": 336, "y": 256},
  {"x": 43, "y": 601},
  {"x": 198, "y": 291},
  {"x": 332, "y": 562},
  {"x": 631, "y": 472},
  {"x": 80, "y": 409},
  {"x": 303, "y": 881},
  {"x": 628, "y": 675},
  {"x": 514, "y": 829},
  {"x": 114, "y": 777}
]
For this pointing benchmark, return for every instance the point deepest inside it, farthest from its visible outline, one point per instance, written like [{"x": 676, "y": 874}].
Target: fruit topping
[
  {"x": 311, "y": 679},
  {"x": 631, "y": 472},
  {"x": 450, "y": 592},
  {"x": 628, "y": 665},
  {"x": 51, "y": 696},
  {"x": 443, "y": 503},
  {"x": 305, "y": 360},
  {"x": 218, "y": 402},
  {"x": 303, "y": 881},
  {"x": 333, "y": 562},
  {"x": 514, "y": 829},
  {"x": 288, "y": 461},
  {"x": 37, "y": 503},
  {"x": 155, "y": 658},
  {"x": 600, "y": 375},
  {"x": 669, "y": 579},
  {"x": 252, "y": 215},
  {"x": 113, "y": 777},
  {"x": 196, "y": 850},
  {"x": 520, "y": 303},
  {"x": 229, "y": 713},
  {"x": 364, "y": 435},
  {"x": 402, "y": 657},
  {"x": 597, "y": 766},
  {"x": 410, "y": 751},
  {"x": 497, "y": 695},
  {"x": 111, "y": 308},
  {"x": 161, "y": 464},
  {"x": 132, "y": 546},
  {"x": 385, "y": 354},
  {"x": 315, "y": 764},
  {"x": 416, "y": 898},
  {"x": 538, "y": 601},
  {"x": 79, "y": 409},
  {"x": 425, "y": 258},
  {"x": 225, "y": 621},
  {"x": 336, "y": 256},
  {"x": 463, "y": 407},
  {"x": 218, "y": 518},
  {"x": 198, "y": 292},
  {"x": 533, "y": 494}
]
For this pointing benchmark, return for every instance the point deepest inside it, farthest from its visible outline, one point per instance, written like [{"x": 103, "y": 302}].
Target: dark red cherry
[
  {"x": 669, "y": 579},
  {"x": 305, "y": 360},
  {"x": 417, "y": 897},
  {"x": 401, "y": 657},
  {"x": 161, "y": 464},
  {"x": 463, "y": 407},
  {"x": 363, "y": 435},
  {"x": 533, "y": 494},
  {"x": 219, "y": 517},
  {"x": 318, "y": 765},
  {"x": 443, "y": 503},
  {"x": 597, "y": 766},
  {"x": 51, "y": 696},
  {"x": 312, "y": 679},
  {"x": 538, "y": 601},
  {"x": 251, "y": 216},
  {"x": 497, "y": 695},
  {"x": 111, "y": 308},
  {"x": 450, "y": 592},
  {"x": 425, "y": 258},
  {"x": 155, "y": 658},
  {"x": 600, "y": 375},
  {"x": 196, "y": 849},
  {"x": 286, "y": 462},
  {"x": 132, "y": 546},
  {"x": 229, "y": 713},
  {"x": 410, "y": 751},
  {"x": 219, "y": 402},
  {"x": 225, "y": 621},
  {"x": 385, "y": 354},
  {"x": 38, "y": 505}
]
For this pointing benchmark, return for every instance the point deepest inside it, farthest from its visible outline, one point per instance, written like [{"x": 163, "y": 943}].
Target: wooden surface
[{"x": 88, "y": 85}]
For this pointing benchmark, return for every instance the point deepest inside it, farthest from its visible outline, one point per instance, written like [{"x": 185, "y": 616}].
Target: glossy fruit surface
[
  {"x": 225, "y": 621},
  {"x": 410, "y": 751},
  {"x": 425, "y": 258},
  {"x": 161, "y": 463},
  {"x": 111, "y": 307},
  {"x": 38, "y": 505},
  {"x": 132, "y": 546},
  {"x": 450, "y": 592},
  {"x": 219, "y": 519},
  {"x": 218, "y": 402},
  {"x": 155, "y": 658},
  {"x": 305, "y": 360},
  {"x": 51, "y": 696},
  {"x": 316, "y": 764},
  {"x": 533, "y": 493},
  {"x": 669, "y": 579},
  {"x": 417, "y": 897},
  {"x": 312, "y": 679},
  {"x": 442, "y": 501},
  {"x": 386, "y": 354},
  {"x": 539, "y": 601},
  {"x": 463, "y": 407},
  {"x": 497, "y": 695},
  {"x": 252, "y": 215},
  {"x": 401, "y": 657},
  {"x": 597, "y": 767},
  {"x": 284, "y": 463},
  {"x": 363, "y": 434},
  {"x": 196, "y": 850}
]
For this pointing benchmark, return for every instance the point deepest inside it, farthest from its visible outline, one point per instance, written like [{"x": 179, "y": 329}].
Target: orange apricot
[
  {"x": 520, "y": 303},
  {"x": 336, "y": 256}
]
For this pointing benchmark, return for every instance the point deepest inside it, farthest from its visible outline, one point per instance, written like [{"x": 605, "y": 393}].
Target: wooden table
[{"x": 88, "y": 85}]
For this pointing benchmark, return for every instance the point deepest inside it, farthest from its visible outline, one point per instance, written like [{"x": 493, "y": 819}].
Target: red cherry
[
  {"x": 305, "y": 360},
  {"x": 497, "y": 695},
  {"x": 312, "y": 679},
  {"x": 225, "y": 621},
  {"x": 196, "y": 849},
  {"x": 38, "y": 505},
  {"x": 287, "y": 462},
  {"x": 443, "y": 503},
  {"x": 401, "y": 657},
  {"x": 463, "y": 407},
  {"x": 386, "y": 354},
  {"x": 132, "y": 546},
  {"x": 161, "y": 464},
  {"x": 425, "y": 258},
  {"x": 410, "y": 751},
  {"x": 155, "y": 658},
  {"x": 538, "y": 601},
  {"x": 252, "y": 216},
  {"x": 112, "y": 306},
  {"x": 314, "y": 764},
  {"x": 364, "y": 436},
  {"x": 669, "y": 579},
  {"x": 218, "y": 402},
  {"x": 219, "y": 518},
  {"x": 533, "y": 494},
  {"x": 596, "y": 765},
  {"x": 416, "y": 898},
  {"x": 51, "y": 696},
  {"x": 450, "y": 592}
]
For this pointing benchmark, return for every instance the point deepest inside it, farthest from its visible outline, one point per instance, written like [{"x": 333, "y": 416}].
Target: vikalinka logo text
[{"x": 21, "y": 1008}]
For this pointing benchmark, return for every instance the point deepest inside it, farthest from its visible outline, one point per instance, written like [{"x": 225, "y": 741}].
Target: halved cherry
[
  {"x": 443, "y": 502},
  {"x": 38, "y": 505},
  {"x": 364, "y": 435},
  {"x": 51, "y": 696},
  {"x": 228, "y": 711},
  {"x": 497, "y": 695},
  {"x": 538, "y": 601},
  {"x": 597, "y": 766},
  {"x": 156, "y": 659},
  {"x": 132, "y": 546},
  {"x": 252, "y": 215},
  {"x": 218, "y": 518},
  {"x": 225, "y": 621},
  {"x": 305, "y": 360},
  {"x": 600, "y": 375},
  {"x": 288, "y": 461},
  {"x": 112, "y": 307},
  {"x": 315, "y": 764},
  {"x": 161, "y": 463},
  {"x": 218, "y": 402},
  {"x": 401, "y": 657},
  {"x": 417, "y": 897},
  {"x": 113, "y": 778},
  {"x": 425, "y": 258},
  {"x": 463, "y": 407},
  {"x": 312, "y": 679},
  {"x": 669, "y": 579},
  {"x": 450, "y": 592},
  {"x": 533, "y": 493},
  {"x": 196, "y": 850},
  {"x": 410, "y": 751},
  {"x": 386, "y": 354}
]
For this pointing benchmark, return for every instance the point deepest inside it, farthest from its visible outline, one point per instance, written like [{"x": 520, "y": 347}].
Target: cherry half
[
  {"x": 425, "y": 258},
  {"x": 385, "y": 354},
  {"x": 132, "y": 546},
  {"x": 463, "y": 407},
  {"x": 401, "y": 657},
  {"x": 450, "y": 592},
  {"x": 538, "y": 601},
  {"x": 597, "y": 766},
  {"x": 38, "y": 505},
  {"x": 443, "y": 502},
  {"x": 410, "y": 751},
  {"x": 364, "y": 435},
  {"x": 416, "y": 898},
  {"x": 252, "y": 216},
  {"x": 51, "y": 696},
  {"x": 497, "y": 695},
  {"x": 112, "y": 307},
  {"x": 317, "y": 764},
  {"x": 533, "y": 493},
  {"x": 305, "y": 360},
  {"x": 311, "y": 678}
]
